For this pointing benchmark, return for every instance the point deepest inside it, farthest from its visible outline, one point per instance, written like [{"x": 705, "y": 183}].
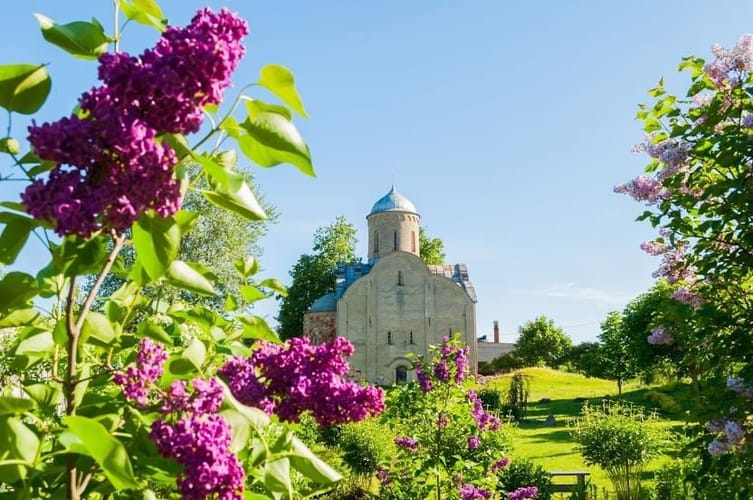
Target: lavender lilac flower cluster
[
  {"x": 109, "y": 166},
  {"x": 298, "y": 376},
  {"x": 733, "y": 436},
  {"x": 523, "y": 493},
  {"x": 730, "y": 65},
  {"x": 659, "y": 336},
  {"x": 191, "y": 432},
  {"x": 471, "y": 492},
  {"x": 484, "y": 421},
  {"x": 452, "y": 357}
]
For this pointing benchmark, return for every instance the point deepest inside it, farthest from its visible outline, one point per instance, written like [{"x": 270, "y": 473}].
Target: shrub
[
  {"x": 364, "y": 446},
  {"x": 491, "y": 398},
  {"x": 506, "y": 363},
  {"x": 665, "y": 402},
  {"x": 522, "y": 473},
  {"x": 620, "y": 439},
  {"x": 517, "y": 396}
]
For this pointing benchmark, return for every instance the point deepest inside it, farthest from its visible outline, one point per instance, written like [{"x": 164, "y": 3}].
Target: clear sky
[{"x": 506, "y": 123}]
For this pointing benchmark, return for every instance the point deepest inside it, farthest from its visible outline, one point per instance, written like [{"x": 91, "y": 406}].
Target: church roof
[
  {"x": 457, "y": 273},
  {"x": 393, "y": 201},
  {"x": 325, "y": 303}
]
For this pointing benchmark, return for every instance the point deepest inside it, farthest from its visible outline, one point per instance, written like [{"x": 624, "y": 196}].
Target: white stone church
[{"x": 395, "y": 304}]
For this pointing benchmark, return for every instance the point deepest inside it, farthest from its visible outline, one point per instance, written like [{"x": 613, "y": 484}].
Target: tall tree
[
  {"x": 314, "y": 274},
  {"x": 617, "y": 360},
  {"x": 431, "y": 249},
  {"x": 541, "y": 341}
]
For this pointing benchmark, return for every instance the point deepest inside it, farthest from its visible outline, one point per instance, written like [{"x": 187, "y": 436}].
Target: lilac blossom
[
  {"x": 423, "y": 379},
  {"x": 738, "y": 385},
  {"x": 523, "y": 493},
  {"x": 717, "y": 448},
  {"x": 497, "y": 465},
  {"x": 201, "y": 443},
  {"x": 408, "y": 443},
  {"x": 298, "y": 376},
  {"x": 471, "y": 492},
  {"x": 643, "y": 188},
  {"x": 484, "y": 421},
  {"x": 687, "y": 296},
  {"x": 734, "y": 432},
  {"x": 139, "y": 376},
  {"x": 729, "y": 65},
  {"x": 674, "y": 266},
  {"x": 110, "y": 167},
  {"x": 473, "y": 442},
  {"x": 654, "y": 247},
  {"x": 659, "y": 336}
]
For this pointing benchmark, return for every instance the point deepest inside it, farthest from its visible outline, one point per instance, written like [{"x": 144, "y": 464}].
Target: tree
[
  {"x": 541, "y": 341},
  {"x": 614, "y": 351},
  {"x": 314, "y": 274},
  {"x": 584, "y": 359},
  {"x": 431, "y": 249}
]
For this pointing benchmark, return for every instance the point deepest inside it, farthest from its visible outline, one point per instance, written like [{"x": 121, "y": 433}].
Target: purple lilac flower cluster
[
  {"x": 298, "y": 376},
  {"x": 497, "y": 465},
  {"x": 191, "y": 432},
  {"x": 659, "y": 336},
  {"x": 733, "y": 437},
  {"x": 452, "y": 364},
  {"x": 643, "y": 188},
  {"x": 687, "y": 296},
  {"x": 408, "y": 443},
  {"x": 138, "y": 377},
  {"x": 109, "y": 166},
  {"x": 737, "y": 61},
  {"x": 673, "y": 153},
  {"x": 473, "y": 442},
  {"x": 523, "y": 493},
  {"x": 738, "y": 385},
  {"x": 674, "y": 266},
  {"x": 654, "y": 247},
  {"x": 471, "y": 492},
  {"x": 484, "y": 421}
]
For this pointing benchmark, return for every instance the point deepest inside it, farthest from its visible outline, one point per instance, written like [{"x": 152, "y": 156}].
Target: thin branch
[{"x": 117, "y": 245}]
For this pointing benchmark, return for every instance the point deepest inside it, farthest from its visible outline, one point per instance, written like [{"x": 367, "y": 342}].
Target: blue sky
[{"x": 507, "y": 124}]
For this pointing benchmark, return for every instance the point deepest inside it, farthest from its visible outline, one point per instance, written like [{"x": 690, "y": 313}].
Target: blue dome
[
  {"x": 393, "y": 201},
  {"x": 325, "y": 303}
]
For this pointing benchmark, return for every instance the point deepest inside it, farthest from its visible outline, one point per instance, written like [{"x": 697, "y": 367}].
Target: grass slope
[{"x": 553, "y": 446}]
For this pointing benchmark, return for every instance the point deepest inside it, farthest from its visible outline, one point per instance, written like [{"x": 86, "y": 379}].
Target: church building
[{"x": 394, "y": 304}]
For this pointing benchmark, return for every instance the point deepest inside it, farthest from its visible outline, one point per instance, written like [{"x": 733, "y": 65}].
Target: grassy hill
[{"x": 552, "y": 446}]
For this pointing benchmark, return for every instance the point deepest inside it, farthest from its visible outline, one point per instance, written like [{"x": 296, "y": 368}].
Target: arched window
[
  {"x": 376, "y": 242},
  {"x": 389, "y": 338},
  {"x": 394, "y": 240},
  {"x": 411, "y": 338},
  {"x": 413, "y": 241},
  {"x": 399, "y": 278},
  {"x": 401, "y": 375}
]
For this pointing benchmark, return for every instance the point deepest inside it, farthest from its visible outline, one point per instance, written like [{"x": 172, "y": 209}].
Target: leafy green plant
[
  {"x": 621, "y": 439},
  {"x": 522, "y": 473}
]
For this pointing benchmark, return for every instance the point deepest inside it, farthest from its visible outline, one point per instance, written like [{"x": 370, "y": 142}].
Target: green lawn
[{"x": 552, "y": 446}]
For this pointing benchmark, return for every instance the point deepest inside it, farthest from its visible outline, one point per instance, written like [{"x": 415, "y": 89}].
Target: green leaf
[
  {"x": 311, "y": 466},
  {"x": 9, "y": 145},
  {"x": 276, "y": 476},
  {"x": 252, "y": 294},
  {"x": 182, "y": 275},
  {"x": 43, "y": 394},
  {"x": 78, "y": 256},
  {"x": 109, "y": 453},
  {"x": 50, "y": 281},
  {"x": 17, "y": 442},
  {"x": 23, "y": 87},
  {"x": 19, "y": 317},
  {"x": 154, "y": 331},
  {"x": 16, "y": 291},
  {"x": 36, "y": 343},
  {"x": 145, "y": 12},
  {"x": 240, "y": 429},
  {"x": 97, "y": 327},
  {"x": 79, "y": 38},
  {"x": 279, "y": 80},
  {"x": 157, "y": 243},
  {"x": 190, "y": 360},
  {"x": 232, "y": 192},
  {"x": 15, "y": 406},
  {"x": 270, "y": 139},
  {"x": 254, "y": 327},
  {"x": 248, "y": 266},
  {"x": 275, "y": 285}
]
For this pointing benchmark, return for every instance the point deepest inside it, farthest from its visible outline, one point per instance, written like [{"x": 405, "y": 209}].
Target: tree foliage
[
  {"x": 541, "y": 341},
  {"x": 314, "y": 274},
  {"x": 431, "y": 249},
  {"x": 614, "y": 351}
]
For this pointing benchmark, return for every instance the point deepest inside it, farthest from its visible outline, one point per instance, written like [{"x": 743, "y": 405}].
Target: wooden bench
[{"x": 569, "y": 487}]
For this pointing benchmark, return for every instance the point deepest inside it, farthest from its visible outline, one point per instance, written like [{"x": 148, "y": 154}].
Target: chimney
[{"x": 496, "y": 331}]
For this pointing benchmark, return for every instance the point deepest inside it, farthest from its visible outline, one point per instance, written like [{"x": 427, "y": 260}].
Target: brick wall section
[{"x": 320, "y": 326}]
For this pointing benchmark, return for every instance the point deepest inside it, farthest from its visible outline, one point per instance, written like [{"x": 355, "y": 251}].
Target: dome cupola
[{"x": 393, "y": 226}]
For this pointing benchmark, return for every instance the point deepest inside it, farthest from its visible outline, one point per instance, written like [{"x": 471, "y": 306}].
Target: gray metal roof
[
  {"x": 457, "y": 273},
  {"x": 393, "y": 201}
]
